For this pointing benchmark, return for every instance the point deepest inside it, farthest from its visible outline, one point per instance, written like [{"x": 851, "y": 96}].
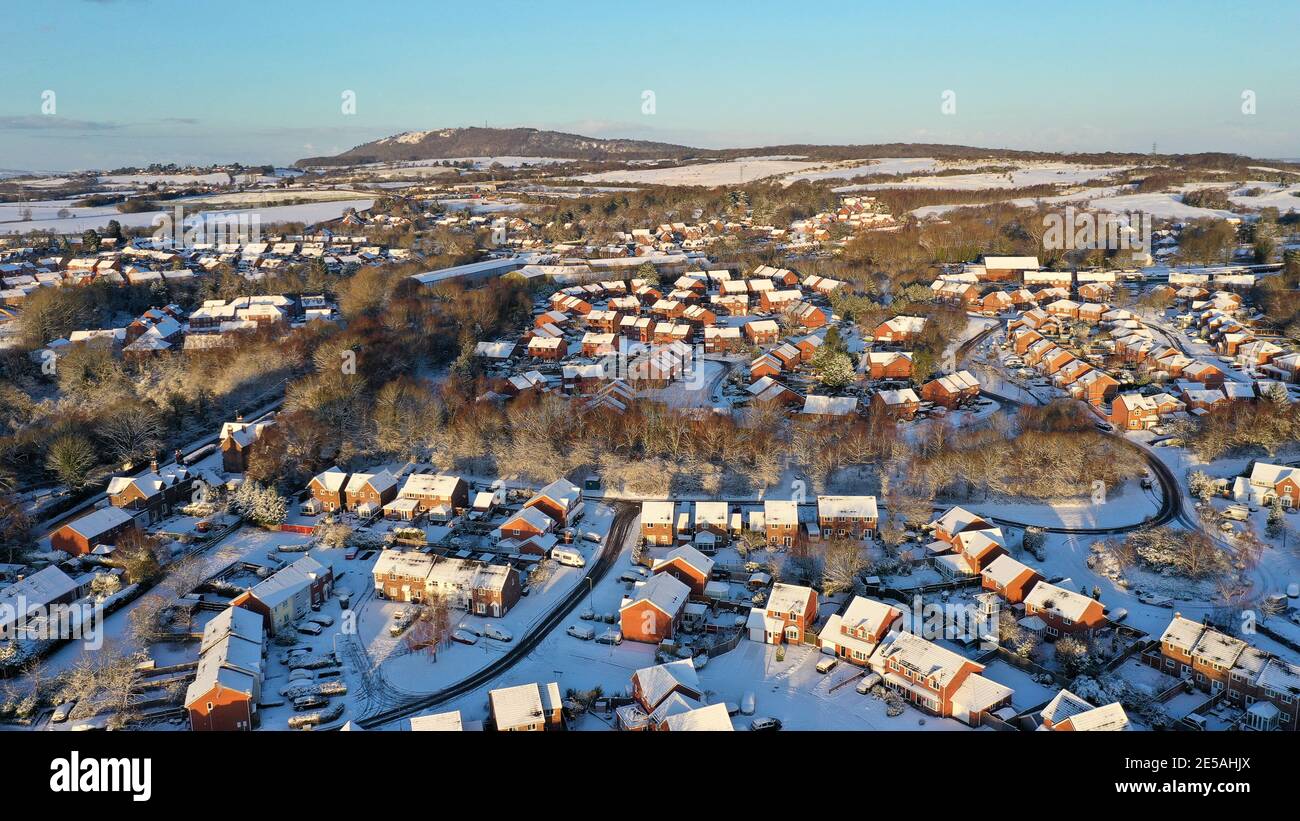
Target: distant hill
[{"x": 447, "y": 143}]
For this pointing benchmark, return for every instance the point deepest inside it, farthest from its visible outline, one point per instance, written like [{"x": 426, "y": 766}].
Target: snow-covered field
[
  {"x": 861, "y": 168},
  {"x": 309, "y": 213},
  {"x": 731, "y": 172},
  {"x": 1025, "y": 174}
]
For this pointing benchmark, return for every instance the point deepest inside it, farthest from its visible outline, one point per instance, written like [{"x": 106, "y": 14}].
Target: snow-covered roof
[
  {"x": 657, "y": 682},
  {"x": 657, "y": 513},
  {"x": 925, "y": 657},
  {"x": 868, "y": 614},
  {"x": 332, "y": 480},
  {"x": 425, "y": 485},
  {"x": 288, "y": 581},
  {"x": 99, "y": 522},
  {"x": 1004, "y": 570},
  {"x": 523, "y": 704},
  {"x": 788, "y": 598},
  {"x": 665, "y": 592},
  {"x": 848, "y": 507},
  {"x": 829, "y": 405},
  {"x": 35, "y": 591},
  {"x": 689, "y": 556},
  {"x": 977, "y": 693},
  {"x": 1064, "y": 705},
  {"x": 956, "y": 519},
  {"x": 403, "y": 563},
  {"x": 1065, "y": 603},
  {"x": 1182, "y": 633},
  {"x": 711, "y": 718},
  {"x": 780, "y": 512},
  {"x": 562, "y": 491},
  {"x": 438, "y": 722},
  {"x": 380, "y": 482}
]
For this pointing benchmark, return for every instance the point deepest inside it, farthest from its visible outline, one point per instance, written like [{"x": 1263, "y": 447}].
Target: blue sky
[{"x": 137, "y": 81}]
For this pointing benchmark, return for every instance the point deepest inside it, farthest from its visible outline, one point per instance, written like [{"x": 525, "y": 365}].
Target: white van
[
  {"x": 565, "y": 556},
  {"x": 1239, "y": 512}
]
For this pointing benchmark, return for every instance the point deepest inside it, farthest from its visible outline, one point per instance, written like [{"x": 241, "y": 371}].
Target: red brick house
[
  {"x": 1063, "y": 611},
  {"x": 951, "y": 391},
  {"x": 847, "y": 516},
  {"x": 658, "y": 523},
  {"x": 888, "y": 365},
  {"x": 854, "y": 634},
  {"x": 370, "y": 491},
  {"x": 786, "y": 617},
  {"x": 96, "y": 528},
  {"x": 687, "y": 565},
  {"x": 1009, "y": 578},
  {"x": 652, "y": 612},
  {"x": 328, "y": 489}
]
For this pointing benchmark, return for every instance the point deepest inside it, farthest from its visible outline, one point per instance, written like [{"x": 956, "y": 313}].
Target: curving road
[
  {"x": 1171, "y": 501},
  {"x": 613, "y": 547}
]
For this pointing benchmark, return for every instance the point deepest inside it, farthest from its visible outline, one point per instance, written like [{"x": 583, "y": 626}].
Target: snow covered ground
[
  {"x": 309, "y": 213},
  {"x": 732, "y": 172}
]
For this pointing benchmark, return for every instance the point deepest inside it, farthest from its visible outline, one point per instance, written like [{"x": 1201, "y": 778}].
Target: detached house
[
  {"x": 367, "y": 493},
  {"x": 653, "y": 610},
  {"x": 1009, "y": 578},
  {"x": 328, "y": 489},
  {"x": 951, "y": 391},
  {"x": 887, "y": 365},
  {"x": 561, "y": 500},
  {"x": 238, "y": 439},
  {"x": 787, "y": 617},
  {"x": 1067, "y": 712},
  {"x": 1268, "y": 482},
  {"x": 1063, "y": 611},
  {"x": 526, "y": 708},
  {"x": 855, "y": 634}
]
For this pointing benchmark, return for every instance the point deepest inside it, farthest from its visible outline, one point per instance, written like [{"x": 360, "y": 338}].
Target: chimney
[
  {"x": 239, "y": 417},
  {"x": 153, "y": 464}
]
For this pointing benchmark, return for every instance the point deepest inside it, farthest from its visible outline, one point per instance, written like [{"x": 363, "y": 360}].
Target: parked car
[
  {"x": 579, "y": 631},
  {"x": 610, "y": 637},
  {"x": 309, "y": 628},
  {"x": 464, "y": 637},
  {"x": 309, "y": 702},
  {"x": 767, "y": 724},
  {"x": 827, "y": 664},
  {"x": 587, "y": 615},
  {"x": 592, "y": 536},
  {"x": 747, "y": 703},
  {"x": 868, "y": 681},
  {"x": 496, "y": 633}
]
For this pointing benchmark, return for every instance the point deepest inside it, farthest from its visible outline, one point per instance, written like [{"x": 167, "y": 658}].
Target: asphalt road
[{"x": 610, "y": 551}]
